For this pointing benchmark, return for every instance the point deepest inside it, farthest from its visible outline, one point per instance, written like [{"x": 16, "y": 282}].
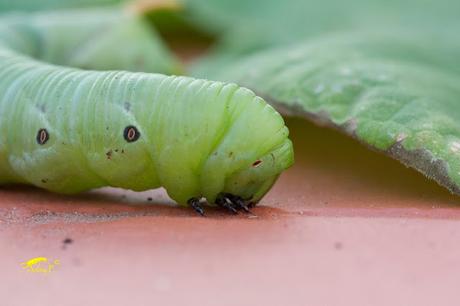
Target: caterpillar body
[{"x": 69, "y": 130}]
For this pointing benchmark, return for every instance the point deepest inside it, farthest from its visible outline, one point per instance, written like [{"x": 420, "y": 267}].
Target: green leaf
[
  {"x": 246, "y": 26},
  {"x": 100, "y": 39},
  {"x": 393, "y": 93},
  {"x": 34, "y": 5}
]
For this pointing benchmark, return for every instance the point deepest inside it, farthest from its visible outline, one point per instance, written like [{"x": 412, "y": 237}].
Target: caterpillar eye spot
[
  {"x": 131, "y": 133},
  {"x": 42, "y": 136},
  {"x": 256, "y": 163}
]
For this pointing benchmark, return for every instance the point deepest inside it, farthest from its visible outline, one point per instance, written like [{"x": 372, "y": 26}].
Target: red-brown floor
[{"x": 344, "y": 226}]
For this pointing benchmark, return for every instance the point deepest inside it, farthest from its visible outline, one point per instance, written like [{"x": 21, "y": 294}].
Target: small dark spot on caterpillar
[
  {"x": 122, "y": 151},
  {"x": 131, "y": 133},
  {"x": 149, "y": 199},
  {"x": 338, "y": 246},
  {"x": 42, "y": 136},
  {"x": 107, "y": 128},
  {"x": 109, "y": 154},
  {"x": 256, "y": 163},
  {"x": 230, "y": 154},
  {"x": 116, "y": 150},
  {"x": 127, "y": 106},
  {"x": 44, "y": 181}
]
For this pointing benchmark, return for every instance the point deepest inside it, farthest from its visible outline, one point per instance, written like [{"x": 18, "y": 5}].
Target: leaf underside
[{"x": 394, "y": 88}]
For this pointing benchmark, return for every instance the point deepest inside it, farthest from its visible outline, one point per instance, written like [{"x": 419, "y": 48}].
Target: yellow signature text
[{"x": 40, "y": 265}]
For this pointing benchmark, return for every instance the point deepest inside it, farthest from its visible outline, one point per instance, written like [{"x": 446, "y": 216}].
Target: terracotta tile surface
[{"x": 344, "y": 226}]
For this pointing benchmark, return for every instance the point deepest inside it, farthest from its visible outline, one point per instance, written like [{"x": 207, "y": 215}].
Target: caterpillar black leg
[
  {"x": 239, "y": 202},
  {"x": 195, "y": 204},
  {"x": 224, "y": 202},
  {"x": 232, "y": 203}
]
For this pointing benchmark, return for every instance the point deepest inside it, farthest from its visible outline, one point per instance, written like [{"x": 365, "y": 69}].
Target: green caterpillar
[{"x": 68, "y": 130}]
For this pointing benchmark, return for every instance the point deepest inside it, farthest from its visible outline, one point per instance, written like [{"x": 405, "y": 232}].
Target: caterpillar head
[
  {"x": 253, "y": 153},
  {"x": 255, "y": 180}
]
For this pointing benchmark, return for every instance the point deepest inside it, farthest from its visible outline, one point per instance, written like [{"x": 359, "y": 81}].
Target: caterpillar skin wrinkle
[{"x": 69, "y": 130}]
